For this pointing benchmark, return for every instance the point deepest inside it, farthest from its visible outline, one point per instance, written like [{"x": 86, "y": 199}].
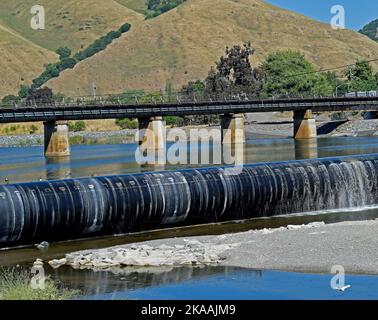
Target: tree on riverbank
[
  {"x": 289, "y": 73},
  {"x": 361, "y": 77},
  {"x": 234, "y": 72}
]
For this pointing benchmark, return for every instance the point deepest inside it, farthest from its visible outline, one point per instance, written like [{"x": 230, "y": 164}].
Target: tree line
[
  {"x": 283, "y": 73},
  {"x": 158, "y": 7}
]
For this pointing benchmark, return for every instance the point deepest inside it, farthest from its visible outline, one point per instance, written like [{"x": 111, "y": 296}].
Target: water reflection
[
  {"x": 306, "y": 149},
  {"x": 93, "y": 284},
  {"x": 29, "y": 164},
  {"x": 152, "y": 167},
  {"x": 58, "y": 168},
  {"x": 211, "y": 282}
]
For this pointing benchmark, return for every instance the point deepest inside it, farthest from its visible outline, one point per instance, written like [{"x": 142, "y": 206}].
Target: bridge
[{"x": 149, "y": 112}]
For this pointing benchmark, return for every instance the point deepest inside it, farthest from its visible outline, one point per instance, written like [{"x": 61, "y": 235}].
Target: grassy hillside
[
  {"x": 182, "y": 44},
  {"x": 70, "y": 23},
  {"x": 136, "y": 5},
  {"x": 20, "y": 60},
  {"x": 371, "y": 30}
]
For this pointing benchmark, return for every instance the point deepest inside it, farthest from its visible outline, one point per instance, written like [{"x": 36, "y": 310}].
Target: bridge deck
[{"x": 106, "y": 110}]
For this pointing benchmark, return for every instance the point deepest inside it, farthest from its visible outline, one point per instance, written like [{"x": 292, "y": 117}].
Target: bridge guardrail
[{"x": 176, "y": 98}]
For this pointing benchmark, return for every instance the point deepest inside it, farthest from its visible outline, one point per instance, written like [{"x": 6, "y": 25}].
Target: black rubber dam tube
[{"x": 76, "y": 208}]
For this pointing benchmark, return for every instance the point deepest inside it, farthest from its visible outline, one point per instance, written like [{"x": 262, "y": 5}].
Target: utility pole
[{"x": 94, "y": 88}]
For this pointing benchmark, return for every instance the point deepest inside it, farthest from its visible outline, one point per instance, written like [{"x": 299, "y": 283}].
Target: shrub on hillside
[
  {"x": 77, "y": 126},
  {"x": 127, "y": 123},
  {"x": 10, "y": 100},
  {"x": 158, "y": 7}
]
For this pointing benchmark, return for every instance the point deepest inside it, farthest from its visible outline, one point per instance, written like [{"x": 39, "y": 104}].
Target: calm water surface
[
  {"x": 206, "y": 283},
  {"x": 29, "y": 164}
]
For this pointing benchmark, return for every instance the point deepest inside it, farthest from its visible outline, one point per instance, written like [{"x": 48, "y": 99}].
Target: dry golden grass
[
  {"x": 37, "y": 127},
  {"x": 75, "y": 24},
  {"x": 20, "y": 60},
  {"x": 182, "y": 44},
  {"x": 101, "y": 125},
  {"x": 70, "y": 23}
]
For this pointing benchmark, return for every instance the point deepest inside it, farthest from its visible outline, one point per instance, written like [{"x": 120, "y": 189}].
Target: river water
[
  {"x": 24, "y": 164},
  {"x": 28, "y": 164}
]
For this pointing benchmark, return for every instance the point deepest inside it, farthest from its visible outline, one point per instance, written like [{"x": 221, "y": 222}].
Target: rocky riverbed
[{"x": 314, "y": 247}]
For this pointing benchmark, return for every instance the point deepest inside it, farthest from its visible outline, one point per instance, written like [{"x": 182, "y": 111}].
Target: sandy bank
[{"x": 312, "y": 248}]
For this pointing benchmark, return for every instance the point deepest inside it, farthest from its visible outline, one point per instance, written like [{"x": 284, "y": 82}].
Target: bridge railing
[{"x": 159, "y": 98}]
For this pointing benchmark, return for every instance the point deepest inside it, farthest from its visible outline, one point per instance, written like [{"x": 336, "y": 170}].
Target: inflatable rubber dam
[{"x": 85, "y": 207}]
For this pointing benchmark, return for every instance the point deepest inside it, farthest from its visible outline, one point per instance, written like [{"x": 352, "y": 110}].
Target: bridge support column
[
  {"x": 304, "y": 125},
  {"x": 233, "y": 128},
  {"x": 152, "y": 140},
  {"x": 57, "y": 142}
]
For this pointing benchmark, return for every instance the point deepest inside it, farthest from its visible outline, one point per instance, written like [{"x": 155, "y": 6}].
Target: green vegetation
[
  {"x": 173, "y": 121},
  {"x": 77, "y": 126},
  {"x": 63, "y": 52},
  {"x": 101, "y": 43},
  {"x": 131, "y": 96},
  {"x": 33, "y": 129},
  {"x": 282, "y": 74},
  {"x": 361, "y": 77},
  {"x": 10, "y": 100},
  {"x": 371, "y": 30},
  {"x": 234, "y": 72},
  {"x": 127, "y": 123},
  {"x": 23, "y": 92},
  {"x": 75, "y": 140},
  {"x": 15, "y": 285},
  {"x": 289, "y": 73},
  {"x": 157, "y": 7}
]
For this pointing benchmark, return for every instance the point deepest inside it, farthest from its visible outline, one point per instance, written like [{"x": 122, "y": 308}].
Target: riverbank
[
  {"x": 76, "y": 138},
  {"x": 314, "y": 247}
]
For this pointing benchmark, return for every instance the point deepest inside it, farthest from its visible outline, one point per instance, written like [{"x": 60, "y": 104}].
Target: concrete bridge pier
[
  {"x": 304, "y": 125},
  {"x": 152, "y": 140},
  {"x": 57, "y": 142},
  {"x": 233, "y": 129}
]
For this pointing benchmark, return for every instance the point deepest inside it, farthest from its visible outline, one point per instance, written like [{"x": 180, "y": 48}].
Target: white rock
[
  {"x": 43, "y": 245},
  {"x": 266, "y": 231},
  {"x": 57, "y": 263},
  {"x": 316, "y": 224},
  {"x": 294, "y": 227},
  {"x": 164, "y": 247}
]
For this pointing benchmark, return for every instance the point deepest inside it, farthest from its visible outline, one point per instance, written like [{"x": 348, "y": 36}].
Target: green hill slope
[{"x": 371, "y": 30}]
